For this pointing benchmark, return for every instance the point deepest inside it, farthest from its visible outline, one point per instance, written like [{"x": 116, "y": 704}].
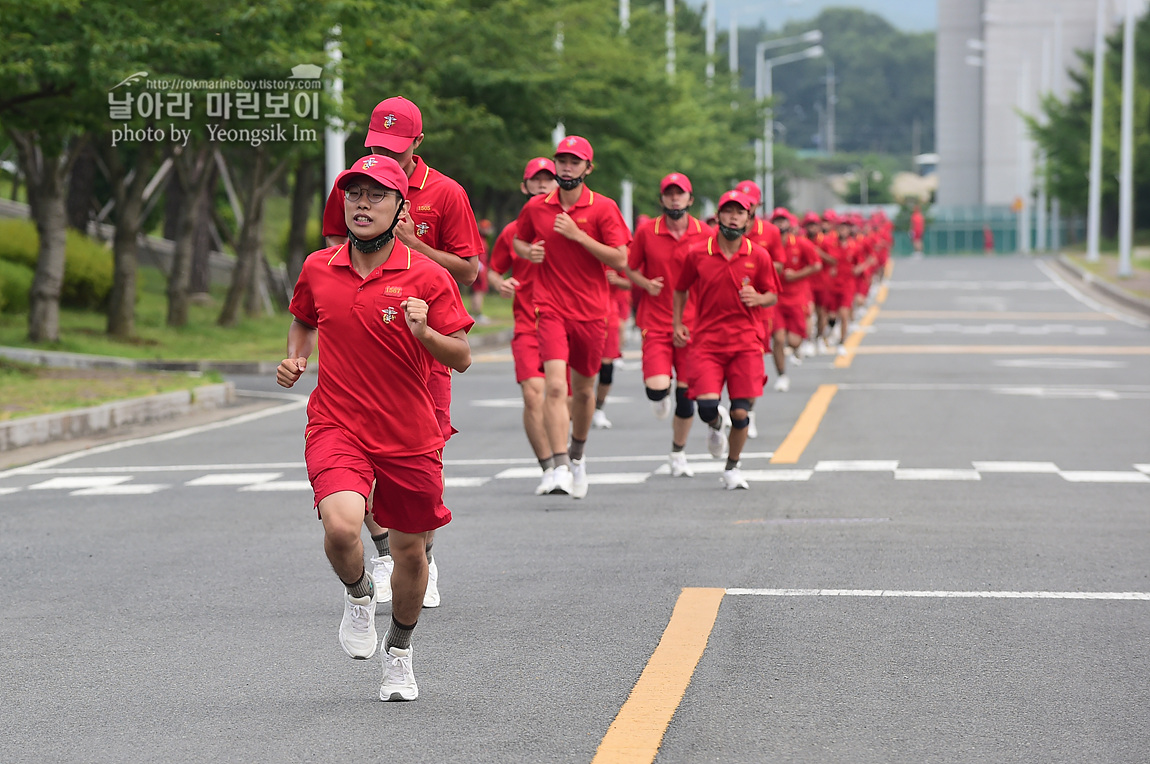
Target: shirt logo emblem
[
  {"x": 389, "y": 120},
  {"x": 421, "y": 229},
  {"x": 393, "y": 291},
  {"x": 388, "y": 314},
  {"x": 749, "y": 265},
  {"x": 369, "y": 163}
]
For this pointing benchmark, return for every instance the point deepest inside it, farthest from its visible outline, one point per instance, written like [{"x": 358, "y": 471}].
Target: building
[{"x": 994, "y": 59}]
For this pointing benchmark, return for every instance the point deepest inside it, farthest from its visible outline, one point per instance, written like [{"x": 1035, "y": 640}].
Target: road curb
[
  {"x": 1116, "y": 293},
  {"x": 94, "y": 420}
]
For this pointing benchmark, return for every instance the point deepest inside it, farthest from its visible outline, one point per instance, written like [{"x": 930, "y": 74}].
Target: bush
[
  {"x": 15, "y": 286},
  {"x": 87, "y": 267}
]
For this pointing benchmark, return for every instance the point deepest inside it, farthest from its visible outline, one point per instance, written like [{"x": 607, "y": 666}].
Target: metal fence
[{"x": 959, "y": 230}]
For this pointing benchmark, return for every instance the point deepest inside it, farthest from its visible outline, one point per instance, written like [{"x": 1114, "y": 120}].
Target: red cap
[
  {"x": 751, "y": 189},
  {"x": 538, "y": 165},
  {"x": 781, "y": 212},
  {"x": 811, "y": 217},
  {"x": 576, "y": 146},
  {"x": 675, "y": 179},
  {"x": 830, "y": 216},
  {"x": 739, "y": 198},
  {"x": 384, "y": 170},
  {"x": 395, "y": 123}
]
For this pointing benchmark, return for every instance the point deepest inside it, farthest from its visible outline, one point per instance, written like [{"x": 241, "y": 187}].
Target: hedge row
[{"x": 87, "y": 267}]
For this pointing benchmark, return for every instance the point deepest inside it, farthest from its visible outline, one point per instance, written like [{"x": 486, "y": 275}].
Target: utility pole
[
  {"x": 831, "y": 101},
  {"x": 1094, "y": 204},
  {"x": 1126, "y": 181}
]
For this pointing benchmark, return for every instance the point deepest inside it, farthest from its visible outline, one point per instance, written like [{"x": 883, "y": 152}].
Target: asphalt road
[{"x": 955, "y": 568}]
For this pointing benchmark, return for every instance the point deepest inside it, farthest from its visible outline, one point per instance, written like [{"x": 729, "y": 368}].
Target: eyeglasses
[{"x": 375, "y": 195}]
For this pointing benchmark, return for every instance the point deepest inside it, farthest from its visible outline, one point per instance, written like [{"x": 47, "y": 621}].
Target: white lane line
[
  {"x": 861, "y": 465},
  {"x": 235, "y": 478},
  {"x": 6, "y": 491},
  {"x": 1103, "y": 476},
  {"x": 126, "y": 489},
  {"x": 519, "y": 473},
  {"x": 72, "y": 483},
  {"x": 172, "y": 468},
  {"x": 777, "y": 476},
  {"x": 593, "y": 460},
  {"x": 465, "y": 482},
  {"x": 1016, "y": 467},
  {"x": 1082, "y": 298},
  {"x": 1060, "y": 364},
  {"x": 281, "y": 485},
  {"x": 618, "y": 478},
  {"x": 173, "y": 435},
  {"x": 935, "y": 474},
  {"x": 1143, "y": 468},
  {"x": 1143, "y": 596}
]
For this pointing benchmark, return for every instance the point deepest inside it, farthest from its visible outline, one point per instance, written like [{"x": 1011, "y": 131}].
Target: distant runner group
[{"x": 383, "y": 301}]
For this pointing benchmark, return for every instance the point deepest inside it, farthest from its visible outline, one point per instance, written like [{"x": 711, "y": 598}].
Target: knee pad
[
  {"x": 607, "y": 373},
  {"x": 708, "y": 410},
  {"x": 740, "y": 424},
  {"x": 657, "y": 395},
  {"x": 684, "y": 406},
  {"x": 746, "y": 404}
]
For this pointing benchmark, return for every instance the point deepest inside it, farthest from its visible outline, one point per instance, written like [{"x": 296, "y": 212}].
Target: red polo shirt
[
  {"x": 655, "y": 252},
  {"x": 767, "y": 235},
  {"x": 722, "y": 321},
  {"x": 503, "y": 259},
  {"x": 800, "y": 254},
  {"x": 572, "y": 282},
  {"x": 440, "y": 210},
  {"x": 373, "y": 376}
]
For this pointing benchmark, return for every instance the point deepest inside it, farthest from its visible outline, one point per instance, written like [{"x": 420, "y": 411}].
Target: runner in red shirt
[
  {"x": 653, "y": 263},
  {"x": 574, "y": 235},
  {"x": 822, "y": 284},
  {"x": 538, "y": 178},
  {"x": 439, "y": 224},
  {"x": 732, "y": 280},
  {"x": 618, "y": 311},
  {"x": 800, "y": 262},
  {"x": 385, "y": 314}
]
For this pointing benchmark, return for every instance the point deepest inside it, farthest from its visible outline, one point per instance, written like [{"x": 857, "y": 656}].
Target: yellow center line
[
  {"x": 805, "y": 427},
  {"x": 637, "y": 732},
  {"x": 853, "y": 341},
  {"x": 1003, "y": 350}
]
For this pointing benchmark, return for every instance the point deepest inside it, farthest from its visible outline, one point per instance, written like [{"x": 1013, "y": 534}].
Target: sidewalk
[
  {"x": 1123, "y": 292},
  {"x": 110, "y": 418}
]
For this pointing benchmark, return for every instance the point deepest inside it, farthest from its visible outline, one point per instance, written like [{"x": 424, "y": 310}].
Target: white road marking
[
  {"x": 1088, "y": 392},
  {"x": 1068, "y": 364},
  {"x": 1082, "y": 298},
  {"x": 1103, "y": 476},
  {"x": 1016, "y": 467},
  {"x": 465, "y": 482},
  {"x": 862, "y": 465},
  {"x": 279, "y": 485},
  {"x": 777, "y": 476},
  {"x": 519, "y": 473},
  {"x": 6, "y": 491},
  {"x": 989, "y": 329},
  {"x": 171, "y": 468},
  {"x": 72, "y": 483},
  {"x": 975, "y": 286},
  {"x": 935, "y": 474},
  {"x": 1143, "y": 468},
  {"x": 125, "y": 489},
  {"x": 235, "y": 478},
  {"x": 617, "y": 478},
  {"x": 1142, "y": 596}
]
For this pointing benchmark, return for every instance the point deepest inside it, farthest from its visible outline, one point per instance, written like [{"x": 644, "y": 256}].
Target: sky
[{"x": 908, "y": 15}]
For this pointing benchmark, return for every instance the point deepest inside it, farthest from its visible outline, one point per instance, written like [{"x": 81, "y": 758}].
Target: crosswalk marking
[
  {"x": 1102, "y": 476},
  {"x": 6, "y": 491},
  {"x": 777, "y": 476},
  {"x": 1016, "y": 467},
  {"x": 279, "y": 485},
  {"x": 121, "y": 489},
  {"x": 465, "y": 482},
  {"x": 1142, "y": 596},
  {"x": 235, "y": 478},
  {"x": 862, "y": 465},
  {"x": 936, "y": 474},
  {"x": 80, "y": 481}
]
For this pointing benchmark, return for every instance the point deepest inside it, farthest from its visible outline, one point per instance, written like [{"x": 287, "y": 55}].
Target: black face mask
[
  {"x": 368, "y": 246},
  {"x": 730, "y": 234},
  {"x": 569, "y": 184},
  {"x": 674, "y": 214}
]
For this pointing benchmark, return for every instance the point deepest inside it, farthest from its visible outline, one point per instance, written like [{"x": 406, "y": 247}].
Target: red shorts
[
  {"x": 408, "y": 489},
  {"x": 825, "y": 299},
  {"x": 525, "y": 351},
  {"x": 612, "y": 348},
  {"x": 439, "y": 385},
  {"x": 844, "y": 294},
  {"x": 770, "y": 321},
  {"x": 742, "y": 370},
  {"x": 792, "y": 317},
  {"x": 578, "y": 343},
  {"x": 660, "y": 357}
]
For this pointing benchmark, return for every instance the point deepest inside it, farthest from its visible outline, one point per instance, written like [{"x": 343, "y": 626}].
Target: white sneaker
[
  {"x": 600, "y": 421},
  {"x": 662, "y": 408},
  {"x": 357, "y": 629},
  {"x": 822, "y": 347},
  {"x": 578, "y": 479},
  {"x": 679, "y": 465},
  {"x": 398, "y": 676},
  {"x": 431, "y": 595},
  {"x": 733, "y": 479},
  {"x": 752, "y": 430},
  {"x": 563, "y": 480},
  {"x": 797, "y": 360},
  {"x": 381, "y": 575},
  {"x": 807, "y": 349},
  {"x": 782, "y": 384},
  {"x": 717, "y": 439},
  {"x": 841, "y": 350},
  {"x": 547, "y": 484}
]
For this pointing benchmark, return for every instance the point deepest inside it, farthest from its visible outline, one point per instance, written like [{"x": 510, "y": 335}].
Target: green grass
[
  {"x": 260, "y": 338},
  {"x": 27, "y": 390},
  {"x": 1107, "y": 267}
]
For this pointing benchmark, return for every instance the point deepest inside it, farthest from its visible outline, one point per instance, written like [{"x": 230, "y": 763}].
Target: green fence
[{"x": 958, "y": 230}]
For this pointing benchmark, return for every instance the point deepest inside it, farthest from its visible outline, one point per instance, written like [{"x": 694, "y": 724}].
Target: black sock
[
  {"x": 732, "y": 463},
  {"x": 548, "y": 463},
  {"x": 381, "y": 544},
  {"x": 675, "y": 447},
  {"x": 561, "y": 460},
  {"x": 398, "y": 635},
  {"x": 427, "y": 551},
  {"x": 576, "y": 449},
  {"x": 361, "y": 588}
]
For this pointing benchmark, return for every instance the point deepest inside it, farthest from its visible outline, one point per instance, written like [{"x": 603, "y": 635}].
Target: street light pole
[
  {"x": 1094, "y": 204},
  {"x": 764, "y": 90},
  {"x": 1126, "y": 181}
]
